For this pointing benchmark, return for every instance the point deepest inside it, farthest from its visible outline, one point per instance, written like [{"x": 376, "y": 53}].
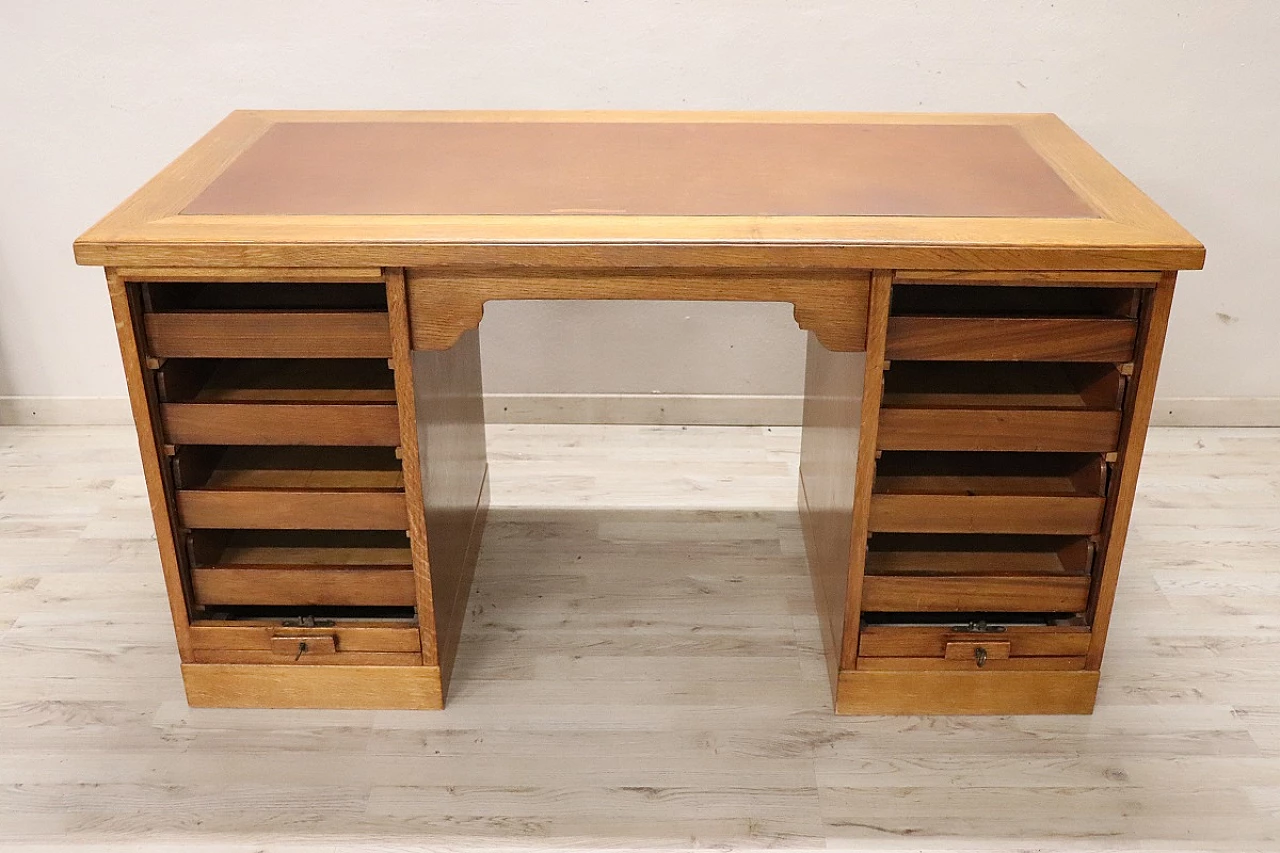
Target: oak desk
[{"x": 298, "y": 299}]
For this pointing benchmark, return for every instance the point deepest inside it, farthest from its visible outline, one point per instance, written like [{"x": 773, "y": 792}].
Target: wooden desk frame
[{"x": 841, "y": 274}]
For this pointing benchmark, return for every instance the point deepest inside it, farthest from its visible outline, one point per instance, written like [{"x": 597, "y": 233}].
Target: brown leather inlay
[{"x": 640, "y": 168}]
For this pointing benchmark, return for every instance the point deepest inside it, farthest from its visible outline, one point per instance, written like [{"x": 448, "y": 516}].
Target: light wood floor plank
[{"x": 641, "y": 668}]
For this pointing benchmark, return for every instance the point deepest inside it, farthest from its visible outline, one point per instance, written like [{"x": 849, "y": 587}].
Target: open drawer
[
  {"x": 1032, "y": 386},
  {"x": 325, "y": 636},
  {"x": 1005, "y": 641},
  {"x": 268, "y": 334},
  {"x": 288, "y": 488},
  {"x": 301, "y": 568},
  {"x": 1037, "y": 430},
  {"x": 1012, "y": 323},
  {"x": 1001, "y": 406},
  {"x": 948, "y": 492},
  {"x": 956, "y": 574},
  {"x": 281, "y": 424},
  {"x": 275, "y": 380},
  {"x": 278, "y": 401},
  {"x": 1010, "y": 339},
  {"x": 266, "y": 320}
]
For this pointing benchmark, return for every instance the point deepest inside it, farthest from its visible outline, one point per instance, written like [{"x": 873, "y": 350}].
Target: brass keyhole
[
  {"x": 302, "y": 647},
  {"x": 980, "y": 655}
]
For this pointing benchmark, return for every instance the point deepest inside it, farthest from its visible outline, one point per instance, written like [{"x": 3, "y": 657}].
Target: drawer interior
[
  {"x": 250, "y": 548},
  {"x": 930, "y": 472},
  {"x": 292, "y": 468},
  {"x": 264, "y": 296},
  {"x": 929, "y": 554},
  {"x": 305, "y": 616},
  {"x": 976, "y": 577},
  {"x": 943, "y": 300},
  {"x": 1027, "y": 635},
  {"x": 275, "y": 380},
  {"x": 972, "y": 621},
  {"x": 305, "y": 569},
  {"x": 1003, "y": 385}
]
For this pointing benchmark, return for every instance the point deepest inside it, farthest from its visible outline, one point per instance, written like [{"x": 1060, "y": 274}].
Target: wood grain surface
[
  {"x": 833, "y": 407},
  {"x": 1120, "y": 229},
  {"x": 268, "y": 334},
  {"x": 993, "y": 429},
  {"x": 832, "y": 304},
  {"x": 282, "y": 424},
  {"x": 1010, "y": 339},
  {"x": 453, "y": 465}
]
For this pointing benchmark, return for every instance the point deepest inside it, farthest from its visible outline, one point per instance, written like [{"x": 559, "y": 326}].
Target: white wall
[{"x": 1183, "y": 96}]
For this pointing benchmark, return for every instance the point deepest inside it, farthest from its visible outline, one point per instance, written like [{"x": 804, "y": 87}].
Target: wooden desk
[{"x": 298, "y": 299}]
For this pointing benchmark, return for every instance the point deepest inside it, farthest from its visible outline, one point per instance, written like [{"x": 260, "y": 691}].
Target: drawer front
[
  {"x": 966, "y": 593},
  {"x": 300, "y": 646},
  {"x": 269, "y": 334},
  {"x": 294, "y": 654},
  {"x": 276, "y": 424},
  {"x": 998, "y": 429},
  {"x": 988, "y": 664},
  {"x": 1010, "y": 339},
  {"x": 927, "y": 641},
  {"x": 263, "y": 638},
  {"x": 305, "y": 586},
  {"x": 986, "y": 514},
  {"x": 286, "y": 510}
]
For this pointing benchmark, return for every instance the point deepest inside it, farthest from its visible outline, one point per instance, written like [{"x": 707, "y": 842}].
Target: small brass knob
[{"x": 980, "y": 655}]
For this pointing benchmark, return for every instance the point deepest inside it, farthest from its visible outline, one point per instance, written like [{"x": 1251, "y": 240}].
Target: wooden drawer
[
  {"x": 226, "y": 635},
  {"x": 986, "y": 514},
  {"x": 905, "y": 641},
  {"x": 1003, "y": 385},
  {"x": 306, "y": 647},
  {"x": 275, "y": 380},
  {"x": 976, "y": 492},
  {"x": 287, "y": 468},
  {"x": 268, "y": 334},
  {"x": 989, "y": 665},
  {"x": 292, "y": 655},
  {"x": 289, "y": 488},
  {"x": 915, "y": 573},
  {"x": 372, "y": 424},
  {"x": 292, "y": 510},
  {"x": 941, "y": 593},
  {"x": 301, "y": 568},
  {"x": 329, "y": 643},
  {"x": 304, "y": 586},
  {"x": 1002, "y": 429},
  {"x": 1010, "y": 339}
]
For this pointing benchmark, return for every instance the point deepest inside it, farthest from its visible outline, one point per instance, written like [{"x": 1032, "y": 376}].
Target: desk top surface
[{"x": 940, "y": 191}]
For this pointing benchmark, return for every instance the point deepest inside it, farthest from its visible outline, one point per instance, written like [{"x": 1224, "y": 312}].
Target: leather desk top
[{"x": 586, "y": 189}]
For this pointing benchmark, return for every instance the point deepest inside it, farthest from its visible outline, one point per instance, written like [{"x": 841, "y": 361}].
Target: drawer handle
[{"x": 979, "y": 654}]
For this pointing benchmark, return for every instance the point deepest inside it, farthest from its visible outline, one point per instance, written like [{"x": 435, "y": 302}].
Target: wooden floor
[{"x": 641, "y": 668}]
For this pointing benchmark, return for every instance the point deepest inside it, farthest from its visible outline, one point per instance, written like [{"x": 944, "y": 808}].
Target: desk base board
[
  {"x": 369, "y": 688},
  {"x": 917, "y": 692}
]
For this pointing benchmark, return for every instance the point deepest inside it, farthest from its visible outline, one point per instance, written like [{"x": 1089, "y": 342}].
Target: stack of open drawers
[
  {"x": 999, "y": 427},
  {"x": 274, "y": 407}
]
